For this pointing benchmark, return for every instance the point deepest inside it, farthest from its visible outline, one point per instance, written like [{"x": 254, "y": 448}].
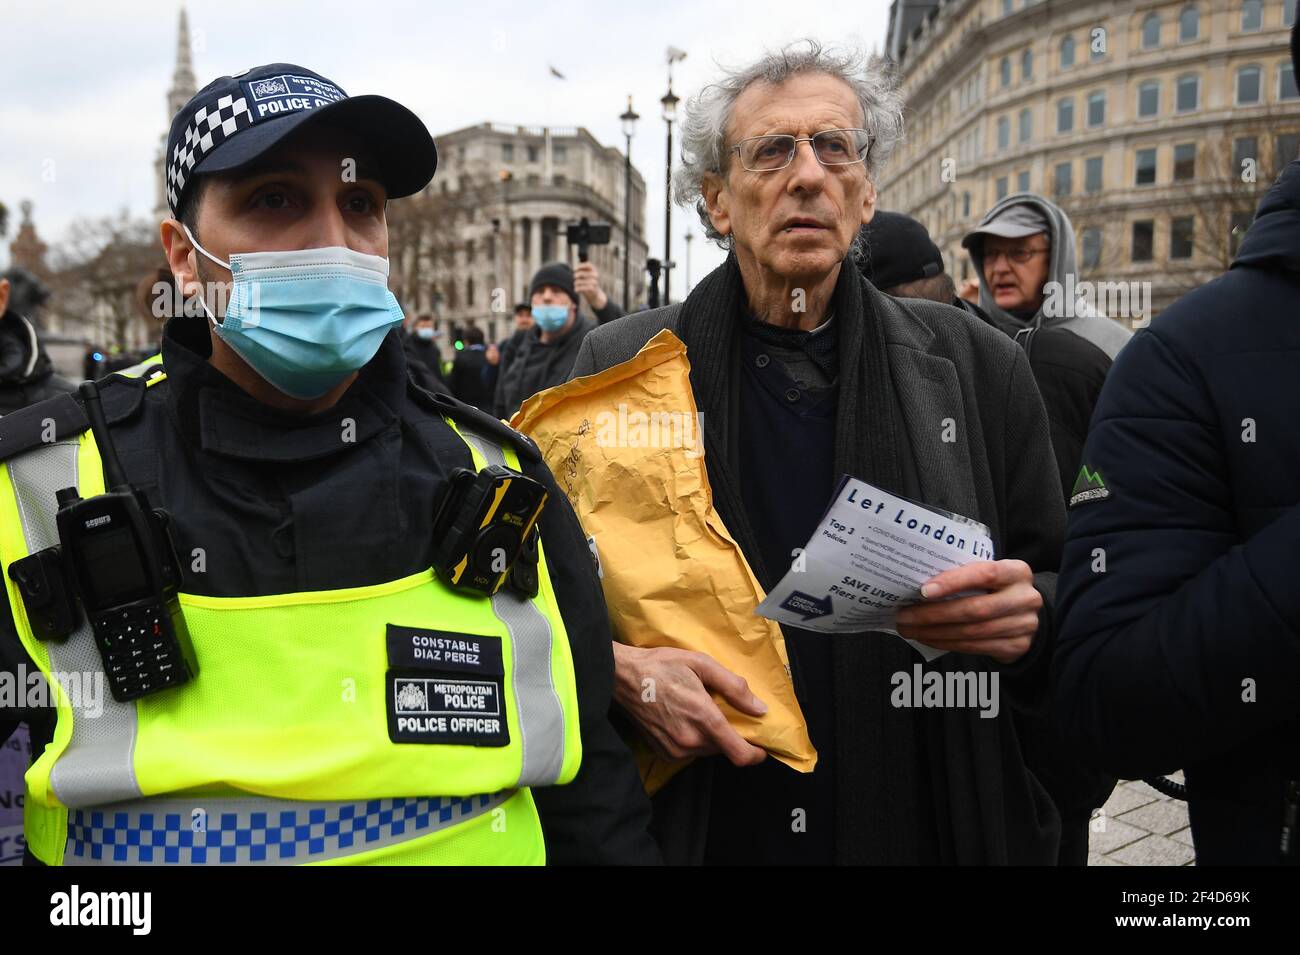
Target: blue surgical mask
[
  {"x": 424, "y": 333},
  {"x": 305, "y": 320},
  {"x": 551, "y": 318}
]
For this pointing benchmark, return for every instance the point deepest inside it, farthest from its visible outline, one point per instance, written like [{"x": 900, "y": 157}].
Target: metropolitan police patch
[{"x": 288, "y": 93}]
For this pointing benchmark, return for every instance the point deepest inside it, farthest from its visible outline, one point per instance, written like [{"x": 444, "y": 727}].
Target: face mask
[
  {"x": 551, "y": 318},
  {"x": 305, "y": 320},
  {"x": 424, "y": 333}
]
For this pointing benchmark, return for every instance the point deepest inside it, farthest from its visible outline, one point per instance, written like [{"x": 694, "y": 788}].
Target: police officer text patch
[{"x": 445, "y": 687}]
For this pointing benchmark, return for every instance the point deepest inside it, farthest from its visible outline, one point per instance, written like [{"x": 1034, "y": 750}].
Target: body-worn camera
[
  {"x": 115, "y": 553},
  {"x": 585, "y": 234},
  {"x": 485, "y": 531}
]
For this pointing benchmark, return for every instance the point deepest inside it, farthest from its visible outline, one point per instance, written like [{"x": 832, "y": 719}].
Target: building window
[
  {"x": 1286, "y": 149},
  {"x": 1004, "y": 69},
  {"x": 1091, "y": 248},
  {"x": 559, "y": 179},
  {"x": 1063, "y": 180},
  {"x": 532, "y": 154},
  {"x": 1189, "y": 93},
  {"x": 1067, "y": 52},
  {"x": 1096, "y": 109},
  {"x": 1248, "y": 83},
  {"x": 1288, "y": 13},
  {"x": 1148, "y": 98},
  {"x": 1151, "y": 31},
  {"x": 1002, "y": 187},
  {"x": 1027, "y": 66},
  {"x": 507, "y": 152},
  {"x": 1097, "y": 44},
  {"x": 1244, "y": 149},
  {"x": 1004, "y": 132},
  {"x": 1238, "y": 226},
  {"x": 1065, "y": 116},
  {"x": 1252, "y": 16},
  {"x": 1182, "y": 231},
  {"x": 1286, "y": 88},
  {"x": 965, "y": 204},
  {"x": 1185, "y": 162},
  {"x": 1145, "y": 168},
  {"x": 1026, "y": 125},
  {"x": 1189, "y": 25},
  {"x": 1006, "y": 6},
  {"x": 1092, "y": 175},
  {"x": 469, "y": 293},
  {"x": 560, "y": 154},
  {"x": 1022, "y": 181},
  {"x": 469, "y": 251},
  {"x": 1144, "y": 234}
]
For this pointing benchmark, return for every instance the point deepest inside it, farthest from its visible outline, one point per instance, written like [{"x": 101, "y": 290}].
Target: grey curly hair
[{"x": 704, "y": 127}]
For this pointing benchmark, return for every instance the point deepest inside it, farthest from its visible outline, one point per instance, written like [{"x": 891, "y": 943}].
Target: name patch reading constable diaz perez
[{"x": 445, "y": 688}]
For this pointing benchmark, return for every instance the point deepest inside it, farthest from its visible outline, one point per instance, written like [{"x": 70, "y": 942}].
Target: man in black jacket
[
  {"x": 804, "y": 372},
  {"x": 423, "y": 356},
  {"x": 26, "y": 372},
  {"x": 466, "y": 379},
  {"x": 1179, "y": 610},
  {"x": 259, "y": 480},
  {"x": 544, "y": 354}
]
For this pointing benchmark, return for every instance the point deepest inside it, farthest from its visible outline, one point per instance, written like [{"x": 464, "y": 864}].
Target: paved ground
[{"x": 1139, "y": 826}]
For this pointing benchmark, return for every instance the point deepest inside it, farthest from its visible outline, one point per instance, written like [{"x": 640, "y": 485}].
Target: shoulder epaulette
[
  {"x": 45, "y": 422},
  {"x": 478, "y": 420},
  {"x": 62, "y": 417}
]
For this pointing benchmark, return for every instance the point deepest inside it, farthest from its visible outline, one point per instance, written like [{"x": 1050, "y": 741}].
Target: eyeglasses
[
  {"x": 832, "y": 147},
  {"x": 1019, "y": 256}
]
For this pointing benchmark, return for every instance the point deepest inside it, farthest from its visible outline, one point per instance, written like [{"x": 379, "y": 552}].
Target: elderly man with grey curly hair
[{"x": 804, "y": 372}]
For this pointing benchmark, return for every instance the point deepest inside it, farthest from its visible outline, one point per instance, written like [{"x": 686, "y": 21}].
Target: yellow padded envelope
[{"x": 626, "y": 448}]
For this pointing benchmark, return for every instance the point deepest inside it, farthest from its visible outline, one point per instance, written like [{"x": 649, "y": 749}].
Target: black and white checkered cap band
[{"x": 207, "y": 130}]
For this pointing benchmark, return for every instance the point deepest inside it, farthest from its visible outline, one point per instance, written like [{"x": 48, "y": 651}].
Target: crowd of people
[{"x": 1139, "y": 616}]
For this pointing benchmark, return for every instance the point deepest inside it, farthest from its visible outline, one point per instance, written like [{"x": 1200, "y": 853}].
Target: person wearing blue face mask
[
  {"x": 424, "y": 356},
  {"x": 301, "y": 467},
  {"x": 544, "y": 355}
]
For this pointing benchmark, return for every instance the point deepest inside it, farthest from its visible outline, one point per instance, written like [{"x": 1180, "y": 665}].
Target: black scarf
[{"x": 880, "y": 752}]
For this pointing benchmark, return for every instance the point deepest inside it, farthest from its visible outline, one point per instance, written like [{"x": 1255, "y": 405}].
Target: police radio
[
  {"x": 485, "y": 531},
  {"x": 116, "y": 554}
]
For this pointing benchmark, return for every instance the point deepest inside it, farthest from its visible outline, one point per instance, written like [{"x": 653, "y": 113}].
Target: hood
[
  {"x": 1083, "y": 319},
  {"x": 1273, "y": 240}
]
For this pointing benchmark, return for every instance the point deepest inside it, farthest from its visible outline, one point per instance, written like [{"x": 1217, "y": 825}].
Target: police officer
[{"x": 346, "y": 702}]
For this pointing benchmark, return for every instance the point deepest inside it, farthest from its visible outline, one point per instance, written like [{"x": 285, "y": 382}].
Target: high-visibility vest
[{"x": 280, "y": 750}]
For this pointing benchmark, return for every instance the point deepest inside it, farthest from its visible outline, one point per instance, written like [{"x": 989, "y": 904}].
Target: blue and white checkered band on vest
[{"x": 207, "y": 130}]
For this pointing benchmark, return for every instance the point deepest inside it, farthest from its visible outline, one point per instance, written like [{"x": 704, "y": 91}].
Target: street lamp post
[
  {"x": 629, "y": 127},
  {"x": 669, "y": 102}
]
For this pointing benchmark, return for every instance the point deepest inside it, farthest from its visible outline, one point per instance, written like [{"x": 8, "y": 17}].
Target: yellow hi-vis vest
[{"x": 280, "y": 750}]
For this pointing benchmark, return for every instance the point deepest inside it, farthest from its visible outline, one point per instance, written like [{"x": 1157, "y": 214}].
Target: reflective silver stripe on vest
[
  {"x": 253, "y": 831},
  {"x": 541, "y": 715},
  {"x": 98, "y": 765}
]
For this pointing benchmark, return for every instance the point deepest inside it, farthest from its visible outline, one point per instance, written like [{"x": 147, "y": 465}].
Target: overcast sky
[{"x": 83, "y": 84}]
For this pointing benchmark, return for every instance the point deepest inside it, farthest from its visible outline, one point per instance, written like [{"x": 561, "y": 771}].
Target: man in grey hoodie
[{"x": 1021, "y": 247}]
